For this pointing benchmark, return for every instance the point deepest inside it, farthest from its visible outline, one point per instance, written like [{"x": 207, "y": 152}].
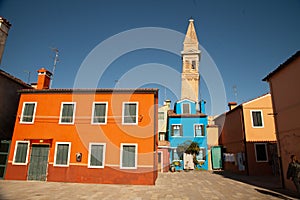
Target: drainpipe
[{"x": 244, "y": 138}]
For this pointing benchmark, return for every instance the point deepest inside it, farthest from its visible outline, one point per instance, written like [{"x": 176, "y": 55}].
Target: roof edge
[
  {"x": 282, "y": 66},
  {"x": 92, "y": 90},
  {"x": 15, "y": 79}
]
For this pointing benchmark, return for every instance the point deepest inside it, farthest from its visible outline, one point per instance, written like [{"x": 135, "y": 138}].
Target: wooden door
[{"x": 38, "y": 163}]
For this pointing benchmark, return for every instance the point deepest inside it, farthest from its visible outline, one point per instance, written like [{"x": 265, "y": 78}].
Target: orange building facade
[
  {"x": 284, "y": 86},
  {"x": 85, "y": 135},
  {"x": 248, "y": 138}
]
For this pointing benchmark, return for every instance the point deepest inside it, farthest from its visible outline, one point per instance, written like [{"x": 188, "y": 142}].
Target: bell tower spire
[{"x": 190, "y": 64}]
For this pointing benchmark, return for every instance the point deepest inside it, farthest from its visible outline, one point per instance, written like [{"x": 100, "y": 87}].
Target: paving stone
[{"x": 191, "y": 185}]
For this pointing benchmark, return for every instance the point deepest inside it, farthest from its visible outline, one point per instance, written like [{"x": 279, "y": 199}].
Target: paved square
[{"x": 179, "y": 185}]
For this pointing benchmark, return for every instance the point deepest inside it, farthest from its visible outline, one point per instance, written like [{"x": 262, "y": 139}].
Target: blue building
[
  {"x": 188, "y": 121},
  {"x": 187, "y": 124}
]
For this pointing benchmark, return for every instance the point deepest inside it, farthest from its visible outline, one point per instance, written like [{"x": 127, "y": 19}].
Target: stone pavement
[{"x": 178, "y": 185}]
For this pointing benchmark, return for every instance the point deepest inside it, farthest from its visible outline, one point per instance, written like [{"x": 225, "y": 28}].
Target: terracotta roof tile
[
  {"x": 171, "y": 113},
  {"x": 92, "y": 90}
]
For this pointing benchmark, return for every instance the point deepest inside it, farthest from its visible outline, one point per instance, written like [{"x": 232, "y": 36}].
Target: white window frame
[
  {"x": 55, "y": 152},
  {"x": 203, "y": 130},
  {"x": 103, "y": 155},
  {"x": 174, "y": 150},
  {"x": 203, "y": 155},
  {"x": 162, "y": 136},
  {"x": 137, "y": 112},
  {"x": 15, "y": 152},
  {"x": 136, "y": 155},
  {"x": 161, "y": 113},
  {"x": 33, "y": 116},
  {"x": 93, "y": 112},
  {"x": 61, "y": 110},
  {"x": 262, "y": 118},
  {"x": 189, "y": 108},
  {"x": 266, "y": 151},
  {"x": 180, "y": 128}
]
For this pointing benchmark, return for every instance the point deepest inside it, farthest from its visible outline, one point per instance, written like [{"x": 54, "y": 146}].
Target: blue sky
[{"x": 245, "y": 39}]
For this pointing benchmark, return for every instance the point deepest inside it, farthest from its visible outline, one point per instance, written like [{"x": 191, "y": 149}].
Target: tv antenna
[
  {"x": 117, "y": 82},
  {"x": 55, "y": 50},
  {"x": 235, "y": 92},
  {"x": 28, "y": 76}
]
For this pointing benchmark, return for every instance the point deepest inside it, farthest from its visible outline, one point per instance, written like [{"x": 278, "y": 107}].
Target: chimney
[
  {"x": 44, "y": 79},
  {"x": 168, "y": 103},
  {"x": 4, "y": 28},
  {"x": 202, "y": 106},
  {"x": 232, "y": 105}
]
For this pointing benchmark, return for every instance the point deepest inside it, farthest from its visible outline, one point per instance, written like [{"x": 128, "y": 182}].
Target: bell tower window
[{"x": 193, "y": 64}]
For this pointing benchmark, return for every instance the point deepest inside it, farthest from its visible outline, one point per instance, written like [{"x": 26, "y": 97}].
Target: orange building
[
  {"x": 248, "y": 137},
  {"x": 85, "y": 135},
  {"x": 284, "y": 85}
]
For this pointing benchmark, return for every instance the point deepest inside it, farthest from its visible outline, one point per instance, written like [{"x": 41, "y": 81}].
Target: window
[
  {"x": 130, "y": 113},
  {"x": 161, "y": 115},
  {"x": 21, "y": 153},
  {"x": 199, "y": 130},
  {"x": 128, "y": 156},
  {"x": 96, "y": 155},
  {"x": 28, "y": 112},
  {"x": 67, "y": 113},
  {"x": 99, "y": 113},
  {"x": 257, "y": 120},
  {"x": 261, "y": 152},
  {"x": 161, "y": 136},
  {"x": 176, "y": 130},
  {"x": 62, "y": 154},
  {"x": 193, "y": 64},
  {"x": 185, "y": 108},
  {"x": 175, "y": 155},
  {"x": 202, "y": 154}
]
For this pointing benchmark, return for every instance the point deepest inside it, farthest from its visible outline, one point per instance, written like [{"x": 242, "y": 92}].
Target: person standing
[{"x": 294, "y": 172}]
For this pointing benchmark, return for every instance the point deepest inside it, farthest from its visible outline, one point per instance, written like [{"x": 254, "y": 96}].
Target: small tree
[
  {"x": 188, "y": 147},
  {"x": 181, "y": 148}
]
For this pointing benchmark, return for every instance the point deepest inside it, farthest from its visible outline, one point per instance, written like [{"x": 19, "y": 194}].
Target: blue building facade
[{"x": 187, "y": 124}]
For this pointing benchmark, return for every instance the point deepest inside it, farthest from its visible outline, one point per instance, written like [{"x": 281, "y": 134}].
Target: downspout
[
  {"x": 244, "y": 139},
  {"x": 155, "y": 146},
  {"x": 277, "y": 138}
]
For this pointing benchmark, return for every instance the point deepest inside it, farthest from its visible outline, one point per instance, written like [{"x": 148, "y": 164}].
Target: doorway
[
  {"x": 38, "y": 165},
  {"x": 160, "y": 162}
]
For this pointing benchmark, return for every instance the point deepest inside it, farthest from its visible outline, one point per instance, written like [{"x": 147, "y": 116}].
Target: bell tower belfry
[{"x": 190, "y": 64}]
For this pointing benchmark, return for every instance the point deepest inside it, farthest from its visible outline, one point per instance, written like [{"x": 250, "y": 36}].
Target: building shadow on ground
[{"x": 270, "y": 185}]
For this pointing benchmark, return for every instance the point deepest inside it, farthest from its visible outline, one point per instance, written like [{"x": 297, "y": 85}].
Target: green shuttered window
[
  {"x": 67, "y": 113},
  {"x": 99, "y": 113},
  {"x": 28, "y": 112},
  {"x": 96, "y": 155},
  {"x": 130, "y": 113},
  {"x": 129, "y": 156},
  {"x": 21, "y": 151},
  {"x": 62, "y": 154}
]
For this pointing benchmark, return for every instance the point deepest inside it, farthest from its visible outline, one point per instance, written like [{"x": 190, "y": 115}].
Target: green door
[
  {"x": 216, "y": 157},
  {"x": 38, "y": 163}
]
